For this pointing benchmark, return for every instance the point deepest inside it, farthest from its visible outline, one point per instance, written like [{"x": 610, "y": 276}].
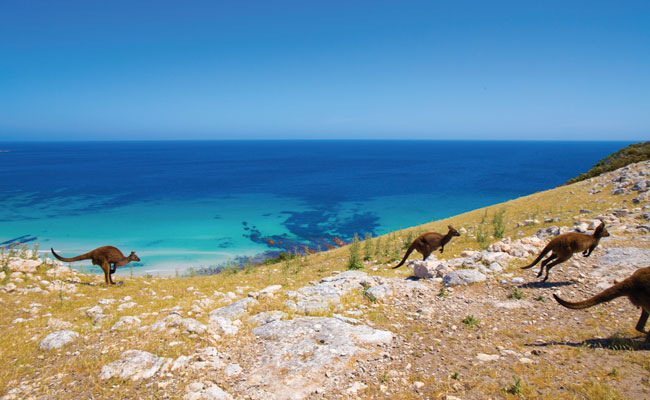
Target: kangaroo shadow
[
  {"x": 614, "y": 343},
  {"x": 545, "y": 285}
]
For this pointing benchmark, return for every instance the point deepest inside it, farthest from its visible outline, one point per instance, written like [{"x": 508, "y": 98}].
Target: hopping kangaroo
[
  {"x": 565, "y": 245},
  {"x": 428, "y": 242},
  {"x": 637, "y": 290},
  {"x": 104, "y": 256}
]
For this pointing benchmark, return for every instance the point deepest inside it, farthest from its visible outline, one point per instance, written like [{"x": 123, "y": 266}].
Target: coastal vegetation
[{"x": 627, "y": 155}]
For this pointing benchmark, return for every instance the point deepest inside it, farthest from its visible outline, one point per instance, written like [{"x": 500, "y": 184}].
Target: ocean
[{"x": 182, "y": 204}]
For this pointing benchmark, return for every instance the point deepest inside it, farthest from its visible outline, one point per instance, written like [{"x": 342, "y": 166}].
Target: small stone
[
  {"x": 487, "y": 357},
  {"x": 124, "y": 306},
  {"x": 125, "y": 323},
  {"x": 92, "y": 312},
  {"x": 232, "y": 370}
]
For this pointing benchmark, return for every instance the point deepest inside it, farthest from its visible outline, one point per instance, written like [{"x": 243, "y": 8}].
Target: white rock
[
  {"x": 380, "y": 292},
  {"x": 487, "y": 357},
  {"x": 273, "y": 289},
  {"x": 222, "y": 326},
  {"x": 232, "y": 370},
  {"x": 135, "y": 364},
  {"x": 211, "y": 393},
  {"x": 58, "y": 339},
  {"x": 124, "y": 306},
  {"x": 495, "y": 267},
  {"x": 92, "y": 312},
  {"x": 193, "y": 326},
  {"x": 9, "y": 287},
  {"x": 356, "y": 386},
  {"x": 125, "y": 323},
  {"x": 19, "y": 264},
  {"x": 58, "y": 324},
  {"x": 266, "y": 317},
  {"x": 463, "y": 277}
]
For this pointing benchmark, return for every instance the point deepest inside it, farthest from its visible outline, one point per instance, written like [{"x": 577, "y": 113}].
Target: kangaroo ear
[
  {"x": 450, "y": 227},
  {"x": 600, "y": 228}
]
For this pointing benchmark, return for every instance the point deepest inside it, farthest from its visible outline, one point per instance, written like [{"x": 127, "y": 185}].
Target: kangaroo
[
  {"x": 565, "y": 245},
  {"x": 103, "y": 256},
  {"x": 637, "y": 290},
  {"x": 427, "y": 243}
]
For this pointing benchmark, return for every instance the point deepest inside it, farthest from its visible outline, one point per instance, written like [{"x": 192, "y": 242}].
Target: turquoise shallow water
[{"x": 201, "y": 204}]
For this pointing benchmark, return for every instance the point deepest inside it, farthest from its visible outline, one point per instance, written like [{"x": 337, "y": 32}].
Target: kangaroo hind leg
[
  {"x": 553, "y": 264},
  {"x": 549, "y": 259},
  {"x": 640, "y": 326}
]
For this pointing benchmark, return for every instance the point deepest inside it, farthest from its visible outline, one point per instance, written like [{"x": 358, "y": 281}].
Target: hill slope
[{"x": 304, "y": 329}]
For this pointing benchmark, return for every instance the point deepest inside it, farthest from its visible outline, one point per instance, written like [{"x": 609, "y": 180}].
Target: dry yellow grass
[{"x": 77, "y": 367}]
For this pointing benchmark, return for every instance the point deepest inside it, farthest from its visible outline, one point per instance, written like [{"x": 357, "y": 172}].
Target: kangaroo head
[
  {"x": 601, "y": 231},
  {"x": 452, "y": 231},
  {"x": 133, "y": 257}
]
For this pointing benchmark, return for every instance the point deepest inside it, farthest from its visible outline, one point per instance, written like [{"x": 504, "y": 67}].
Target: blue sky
[{"x": 575, "y": 70}]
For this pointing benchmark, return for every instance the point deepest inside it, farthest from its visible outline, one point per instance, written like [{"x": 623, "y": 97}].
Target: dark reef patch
[
  {"x": 315, "y": 230},
  {"x": 20, "y": 239}
]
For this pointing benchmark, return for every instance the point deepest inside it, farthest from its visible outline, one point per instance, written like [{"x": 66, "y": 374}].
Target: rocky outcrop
[
  {"x": 134, "y": 365},
  {"x": 299, "y": 354},
  {"x": 463, "y": 277}
]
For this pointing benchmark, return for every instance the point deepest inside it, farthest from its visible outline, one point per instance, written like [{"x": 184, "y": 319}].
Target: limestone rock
[
  {"x": 233, "y": 311},
  {"x": 22, "y": 265},
  {"x": 125, "y": 323},
  {"x": 58, "y": 339},
  {"x": 58, "y": 324},
  {"x": 266, "y": 317},
  {"x": 233, "y": 370},
  {"x": 463, "y": 277},
  {"x": 298, "y": 353},
  {"x": 124, "y": 306},
  {"x": 380, "y": 292},
  {"x": 222, "y": 326},
  {"x": 487, "y": 357},
  {"x": 92, "y": 312},
  {"x": 201, "y": 391},
  {"x": 135, "y": 364}
]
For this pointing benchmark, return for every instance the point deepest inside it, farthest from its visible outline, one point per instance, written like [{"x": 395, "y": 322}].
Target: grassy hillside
[
  {"x": 438, "y": 332},
  {"x": 631, "y": 154}
]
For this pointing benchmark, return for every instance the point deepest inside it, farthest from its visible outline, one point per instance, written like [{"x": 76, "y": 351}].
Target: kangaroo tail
[
  {"x": 408, "y": 253},
  {"x": 541, "y": 255},
  {"x": 71, "y": 259},
  {"x": 611, "y": 293}
]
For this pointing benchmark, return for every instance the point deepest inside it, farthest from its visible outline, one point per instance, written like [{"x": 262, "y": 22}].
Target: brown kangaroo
[
  {"x": 104, "y": 256},
  {"x": 637, "y": 290},
  {"x": 565, "y": 245},
  {"x": 427, "y": 243}
]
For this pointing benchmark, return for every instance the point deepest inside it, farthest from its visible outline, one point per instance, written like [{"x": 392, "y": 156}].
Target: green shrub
[
  {"x": 367, "y": 248},
  {"x": 354, "y": 259},
  {"x": 482, "y": 237},
  {"x": 627, "y": 155},
  {"x": 499, "y": 224},
  {"x": 470, "y": 320},
  {"x": 516, "y": 386},
  {"x": 516, "y": 294}
]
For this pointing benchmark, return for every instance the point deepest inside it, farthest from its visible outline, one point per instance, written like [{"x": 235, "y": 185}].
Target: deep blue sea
[{"x": 199, "y": 204}]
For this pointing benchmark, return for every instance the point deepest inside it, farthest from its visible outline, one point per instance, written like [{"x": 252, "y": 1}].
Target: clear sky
[{"x": 576, "y": 70}]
